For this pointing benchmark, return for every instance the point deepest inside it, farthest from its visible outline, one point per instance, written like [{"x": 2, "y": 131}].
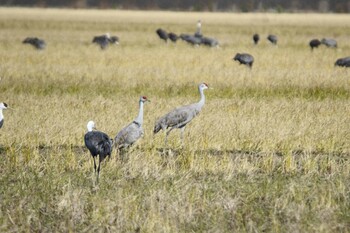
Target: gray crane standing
[
  {"x": 99, "y": 144},
  {"x": 3, "y": 106},
  {"x": 180, "y": 117},
  {"x": 132, "y": 132}
]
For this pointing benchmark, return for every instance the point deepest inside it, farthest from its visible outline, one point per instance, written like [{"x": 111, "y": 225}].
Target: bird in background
[
  {"x": 329, "y": 42},
  {"x": 162, "y": 34},
  {"x": 36, "y": 42},
  {"x": 314, "y": 43},
  {"x": 3, "y": 106},
  {"x": 256, "y": 38},
  {"x": 180, "y": 117},
  {"x": 244, "y": 58},
  {"x": 105, "y": 40},
  {"x": 198, "y": 32},
  {"x": 133, "y": 131},
  {"x": 344, "y": 62},
  {"x": 272, "y": 39},
  {"x": 99, "y": 144}
]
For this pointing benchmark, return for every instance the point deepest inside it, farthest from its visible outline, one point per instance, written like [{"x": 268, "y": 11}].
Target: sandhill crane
[
  {"x": 173, "y": 37},
  {"x": 162, "y": 34},
  {"x": 211, "y": 42},
  {"x": 36, "y": 42},
  {"x": 331, "y": 43},
  {"x": 180, "y": 117},
  {"x": 191, "y": 39},
  {"x": 99, "y": 144},
  {"x": 344, "y": 62},
  {"x": 314, "y": 43},
  {"x": 244, "y": 58},
  {"x": 256, "y": 38},
  {"x": 3, "y": 106},
  {"x": 105, "y": 40},
  {"x": 272, "y": 39},
  {"x": 132, "y": 132},
  {"x": 198, "y": 32}
]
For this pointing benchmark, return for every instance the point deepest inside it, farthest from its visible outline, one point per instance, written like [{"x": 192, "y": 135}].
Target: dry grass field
[{"x": 268, "y": 153}]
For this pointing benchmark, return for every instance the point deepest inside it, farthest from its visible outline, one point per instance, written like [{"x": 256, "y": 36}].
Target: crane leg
[
  {"x": 182, "y": 136},
  {"x": 94, "y": 163},
  {"x": 166, "y": 136},
  {"x": 98, "y": 169}
]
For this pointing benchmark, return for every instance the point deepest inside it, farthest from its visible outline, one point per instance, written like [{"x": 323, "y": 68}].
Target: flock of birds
[
  {"x": 101, "y": 145},
  {"x": 197, "y": 39}
]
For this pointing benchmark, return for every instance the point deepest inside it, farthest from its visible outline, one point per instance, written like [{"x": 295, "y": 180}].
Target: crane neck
[
  {"x": 202, "y": 99},
  {"x": 1, "y": 115},
  {"x": 139, "y": 118}
]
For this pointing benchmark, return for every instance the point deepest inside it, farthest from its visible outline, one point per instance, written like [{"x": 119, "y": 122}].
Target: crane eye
[{"x": 5, "y": 104}]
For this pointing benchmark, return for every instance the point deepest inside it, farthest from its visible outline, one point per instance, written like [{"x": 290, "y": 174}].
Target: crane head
[
  {"x": 3, "y": 105},
  {"x": 91, "y": 126},
  {"x": 144, "y": 99},
  {"x": 203, "y": 86}
]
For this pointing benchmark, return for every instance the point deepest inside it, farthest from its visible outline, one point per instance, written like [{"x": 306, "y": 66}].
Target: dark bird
[
  {"x": 314, "y": 43},
  {"x": 173, "y": 37},
  {"x": 198, "y": 32},
  {"x": 133, "y": 131},
  {"x": 3, "y": 106},
  {"x": 244, "y": 58},
  {"x": 191, "y": 39},
  {"x": 272, "y": 39},
  {"x": 162, "y": 34},
  {"x": 344, "y": 62},
  {"x": 99, "y": 144},
  {"x": 105, "y": 40},
  {"x": 331, "y": 43},
  {"x": 211, "y": 42},
  {"x": 36, "y": 42},
  {"x": 256, "y": 38},
  {"x": 180, "y": 117}
]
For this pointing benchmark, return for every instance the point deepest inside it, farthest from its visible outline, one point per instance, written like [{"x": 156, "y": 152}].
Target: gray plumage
[
  {"x": 132, "y": 132},
  {"x": 191, "y": 39},
  {"x": 344, "y": 62},
  {"x": 3, "y": 106},
  {"x": 162, "y": 34},
  {"x": 256, "y": 38},
  {"x": 244, "y": 58},
  {"x": 104, "y": 40},
  {"x": 331, "y": 43},
  {"x": 36, "y": 42},
  {"x": 314, "y": 43},
  {"x": 272, "y": 39},
  {"x": 180, "y": 117},
  {"x": 211, "y": 42},
  {"x": 99, "y": 144},
  {"x": 173, "y": 37}
]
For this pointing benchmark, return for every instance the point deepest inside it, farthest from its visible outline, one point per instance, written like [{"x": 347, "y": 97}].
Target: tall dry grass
[{"x": 269, "y": 152}]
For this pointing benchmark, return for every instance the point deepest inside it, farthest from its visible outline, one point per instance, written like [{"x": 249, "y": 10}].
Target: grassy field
[{"x": 268, "y": 153}]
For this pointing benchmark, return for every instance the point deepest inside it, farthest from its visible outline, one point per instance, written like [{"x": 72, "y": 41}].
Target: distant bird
[
  {"x": 3, "y": 106},
  {"x": 105, "y": 40},
  {"x": 272, "y": 39},
  {"x": 36, "y": 42},
  {"x": 173, "y": 37},
  {"x": 344, "y": 62},
  {"x": 191, "y": 39},
  {"x": 198, "y": 32},
  {"x": 314, "y": 43},
  {"x": 180, "y": 117},
  {"x": 211, "y": 42},
  {"x": 99, "y": 144},
  {"x": 132, "y": 132},
  {"x": 244, "y": 58},
  {"x": 256, "y": 38},
  {"x": 162, "y": 34},
  {"x": 331, "y": 43}
]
